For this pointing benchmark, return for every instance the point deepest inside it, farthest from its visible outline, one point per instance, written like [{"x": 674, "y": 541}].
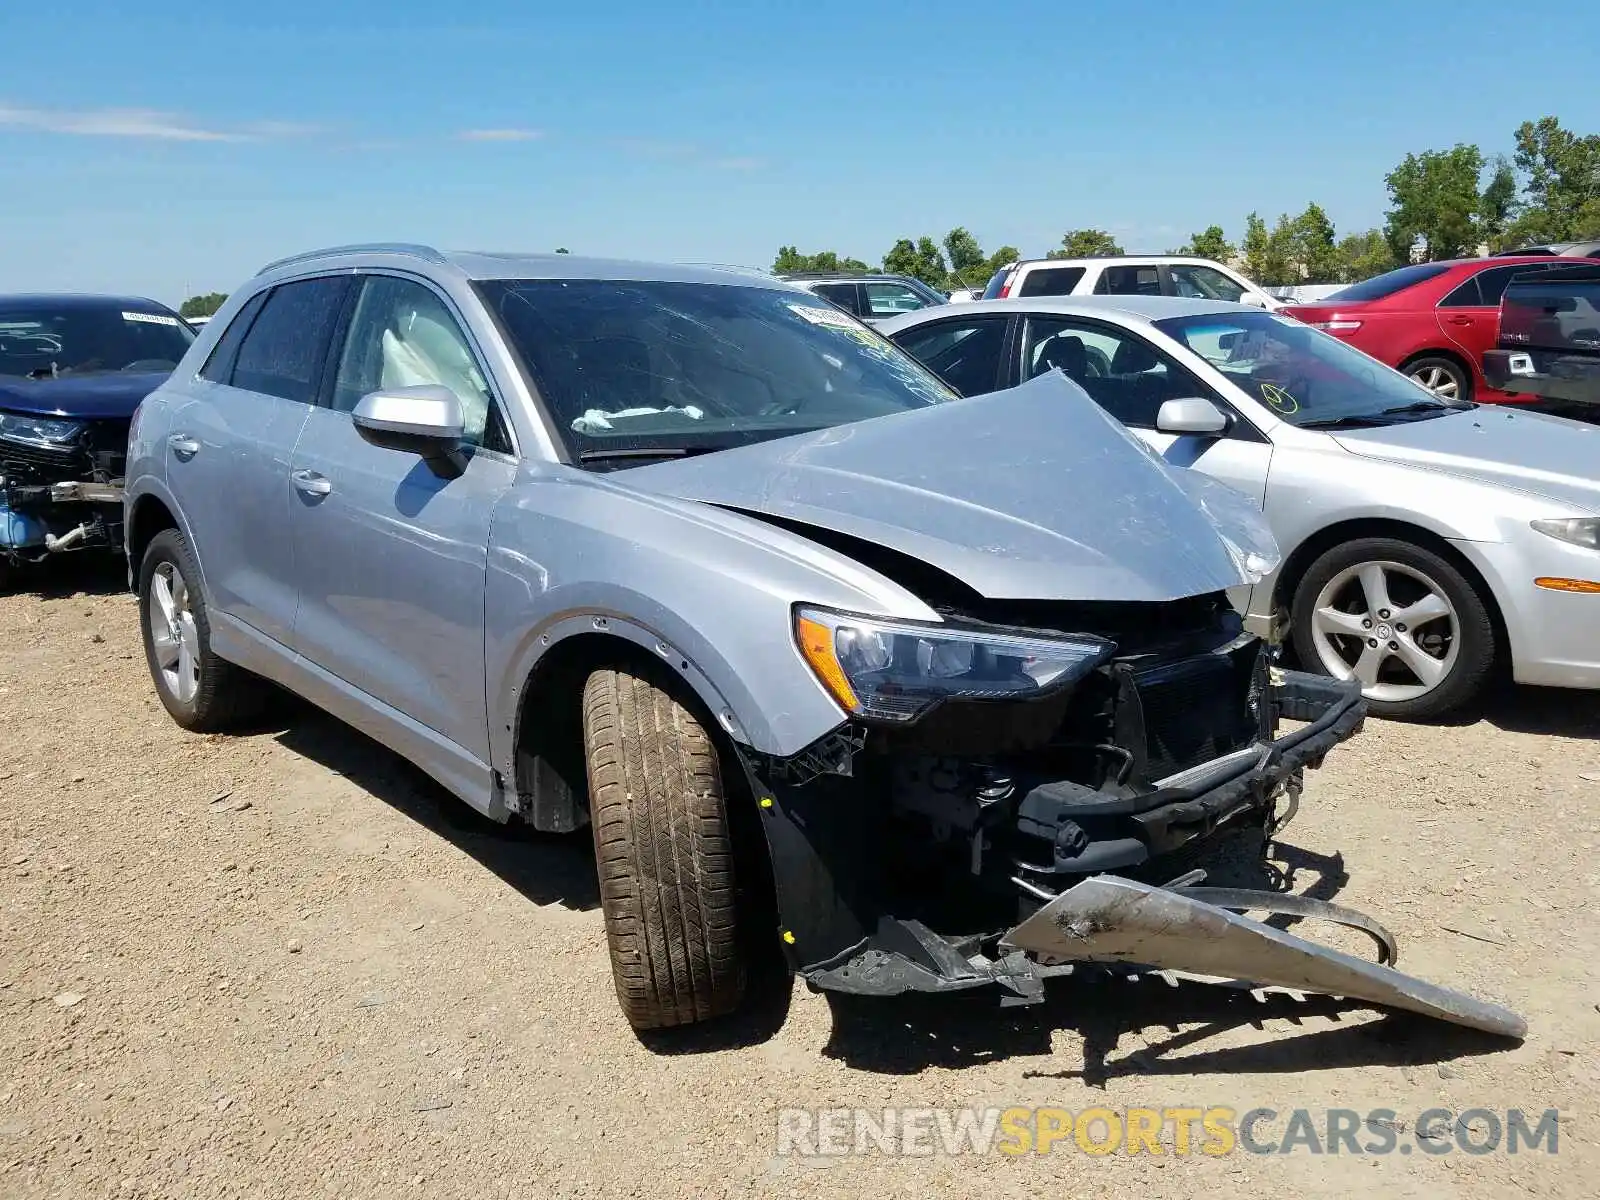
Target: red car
[{"x": 1434, "y": 321}]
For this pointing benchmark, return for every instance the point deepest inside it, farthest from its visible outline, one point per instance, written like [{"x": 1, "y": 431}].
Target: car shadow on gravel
[
  {"x": 85, "y": 573},
  {"x": 544, "y": 867},
  {"x": 1553, "y": 712}
]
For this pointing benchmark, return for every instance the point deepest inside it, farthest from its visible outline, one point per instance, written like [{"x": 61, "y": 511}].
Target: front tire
[
  {"x": 200, "y": 691},
  {"x": 1403, "y": 620},
  {"x": 665, "y": 854}
]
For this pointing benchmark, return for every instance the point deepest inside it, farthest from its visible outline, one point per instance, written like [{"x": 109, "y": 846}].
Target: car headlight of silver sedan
[
  {"x": 894, "y": 671},
  {"x": 39, "y": 431},
  {"x": 1580, "y": 531}
]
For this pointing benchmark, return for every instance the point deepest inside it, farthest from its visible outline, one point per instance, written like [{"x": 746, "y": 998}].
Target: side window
[
  {"x": 842, "y": 294},
  {"x": 283, "y": 349},
  {"x": 1203, "y": 283},
  {"x": 1492, "y": 283},
  {"x": 219, "y": 366},
  {"x": 1122, "y": 372},
  {"x": 889, "y": 299},
  {"x": 1468, "y": 294},
  {"x": 964, "y": 353},
  {"x": 1051, "y": 281},
  {"x": 1129, "y": 281},
  {"x": 403, "y": 335}
]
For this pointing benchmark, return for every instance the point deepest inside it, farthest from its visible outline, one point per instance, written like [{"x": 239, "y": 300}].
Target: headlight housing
[
  {"x": 1580, "y": 531},
  {"x": 39, "y": 431},
  {"x": 894, "y": 671}
]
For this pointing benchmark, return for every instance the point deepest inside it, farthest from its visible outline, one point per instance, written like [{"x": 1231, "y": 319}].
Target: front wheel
[
  {"x": 665, "y": 852},
  {"x": 1401, "y": 619}
]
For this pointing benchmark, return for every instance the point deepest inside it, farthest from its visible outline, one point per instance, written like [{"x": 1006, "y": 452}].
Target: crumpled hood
[
  {"x": 1532, "y": 452},
  {"x": 111, "y": 395},
  {"x": 1031, "y": 493}
]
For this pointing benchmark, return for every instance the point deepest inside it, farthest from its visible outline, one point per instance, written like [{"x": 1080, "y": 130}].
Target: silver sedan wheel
[
  {"x": 1439, "y": 381},
  {"x": 173, "y": 633},
  {"x": 1388, "y": 625}
]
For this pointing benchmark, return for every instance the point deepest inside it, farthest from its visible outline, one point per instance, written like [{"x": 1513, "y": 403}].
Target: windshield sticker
[
  {"x": 596, "y": 420},
  {"x": 1277, "y": 399},
  {"x": 825, "y": 316},
  {"x": 150, "y": 318}
]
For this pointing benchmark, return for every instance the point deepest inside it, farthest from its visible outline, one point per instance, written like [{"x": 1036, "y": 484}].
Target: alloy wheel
[
  {"x": 1440, "y": 381},
  {"x": 173, "y": 634},
  {"x": 1388, "y": 625}
]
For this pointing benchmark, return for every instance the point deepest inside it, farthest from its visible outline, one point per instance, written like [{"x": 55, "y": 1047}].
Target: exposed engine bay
[{"x": 57, "y": 496}]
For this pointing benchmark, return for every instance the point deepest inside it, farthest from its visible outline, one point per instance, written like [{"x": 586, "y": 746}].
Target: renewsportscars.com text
[{"x": 1179, "y": 1131}]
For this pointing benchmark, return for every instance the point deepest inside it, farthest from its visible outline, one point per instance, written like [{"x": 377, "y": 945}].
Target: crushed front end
[
  {"x": 61, "y": 484},
  {"x": 904, "y": 848}
]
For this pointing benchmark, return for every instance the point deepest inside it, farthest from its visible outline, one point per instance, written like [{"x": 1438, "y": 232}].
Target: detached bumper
[
  {"x": 38, "y": 519},
  {"x": 1567, "y": 378}
]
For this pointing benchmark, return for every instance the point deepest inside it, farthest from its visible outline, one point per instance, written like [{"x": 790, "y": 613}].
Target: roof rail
[{"x": 415, "y": 251}]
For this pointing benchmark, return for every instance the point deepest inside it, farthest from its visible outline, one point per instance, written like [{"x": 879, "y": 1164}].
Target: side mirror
[
  {"x": 1254, "y": 299},
  {"x": 1193, "y": 414},
  {"x": 424, "y": 420}
]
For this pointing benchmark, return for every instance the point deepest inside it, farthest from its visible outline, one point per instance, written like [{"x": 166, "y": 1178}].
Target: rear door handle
[
  {"x": 184, "y": 446},
  {"x": 310, "y": 483},
  {"x": 1459, "y": 320}
]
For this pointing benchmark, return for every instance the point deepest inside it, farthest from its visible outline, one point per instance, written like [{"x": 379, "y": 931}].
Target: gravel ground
[{"x": 283, "y": 965}]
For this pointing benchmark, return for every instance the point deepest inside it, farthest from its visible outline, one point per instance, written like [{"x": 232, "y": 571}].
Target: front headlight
[
  {"x": 39, "y": 431},
  {"x": 1580, "y": 531},
  {"x": 895, "y": 671}
]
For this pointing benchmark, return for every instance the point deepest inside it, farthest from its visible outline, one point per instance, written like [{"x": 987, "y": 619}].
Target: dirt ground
[{"x": 283, "y": 965}]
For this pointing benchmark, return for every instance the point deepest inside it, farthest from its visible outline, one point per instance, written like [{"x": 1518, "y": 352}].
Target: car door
[
  {"x": 1130, "y": 379},
  {"x": 229, "y": 449},
  {"x": 391, "y": 552},
  {"x": 1141, "y": 279},
  {"x": 967, "y": 352},
  {"x": 884, "y": 298},
  {"x": 1469, "y": 315}
]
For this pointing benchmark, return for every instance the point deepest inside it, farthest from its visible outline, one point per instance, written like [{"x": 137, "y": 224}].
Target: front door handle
[
  {"x": 310, "y": 483},
  {"x": 184, "y": 446}
]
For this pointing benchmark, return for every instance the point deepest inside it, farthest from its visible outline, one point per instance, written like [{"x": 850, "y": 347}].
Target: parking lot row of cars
[{"x": 615, "y": 544}]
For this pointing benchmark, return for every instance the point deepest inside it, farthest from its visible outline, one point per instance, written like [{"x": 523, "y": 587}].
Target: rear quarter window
[
  {"x": 1051, "y": 281},
  {"x": 219, "y": 364}
]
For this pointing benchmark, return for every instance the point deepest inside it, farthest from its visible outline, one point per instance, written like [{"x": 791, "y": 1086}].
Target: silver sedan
[{"x": 1424, "y": 542}]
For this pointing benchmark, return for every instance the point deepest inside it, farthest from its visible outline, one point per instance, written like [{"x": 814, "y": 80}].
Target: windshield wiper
[
  {"x": 1366, "y": 422},
  {"x": 1421, "y": 406},
  {"x": 645, "y": 452}
]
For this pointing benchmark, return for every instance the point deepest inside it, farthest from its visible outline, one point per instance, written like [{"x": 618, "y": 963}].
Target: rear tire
[
  {"x": 665, "y": 854},
  {"x": 1444, "y": 377},
  {"x": 201, "y": 692}
]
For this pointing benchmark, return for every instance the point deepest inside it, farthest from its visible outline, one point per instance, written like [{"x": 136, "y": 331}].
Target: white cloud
[
  {"x": 138, "y": 123},
  {"x": 499, "y": 135}
]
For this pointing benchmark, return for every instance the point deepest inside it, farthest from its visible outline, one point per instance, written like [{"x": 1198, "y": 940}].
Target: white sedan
[{"x": 1424, "y": 542}]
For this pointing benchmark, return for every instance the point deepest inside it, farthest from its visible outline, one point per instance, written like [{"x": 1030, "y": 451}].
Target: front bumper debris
[{"x": 1123, "y": 921}]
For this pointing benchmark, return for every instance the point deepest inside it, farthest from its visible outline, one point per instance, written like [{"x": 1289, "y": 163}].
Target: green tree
[
  {"x": 562, "y": 250},
  {"x": 1000, "y": 258},
  {"x": 1363, "y": 255},
  {"x": 968, "y": 264},
  {"x": 1313, "y": 249},
  {"x": 791, "y": 262},
  {"x": 1210, "y": 243},
  {"x": 202, "y": 306},
  {"x": 1086, "y": 243},
  {"x": 1254, "y": 246},
  {"x": 1561, "y": 193},
  {"x": 921, "y": 259},
  {"x": 1435, "y": 196},
  {"x": 1496, "y": 204},
  {"x": 1279, "y": 265}
]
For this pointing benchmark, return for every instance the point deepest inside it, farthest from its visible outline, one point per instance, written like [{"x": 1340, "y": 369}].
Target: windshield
[
  {"x": 44, "y": 341},
  {"x": 1301, "y": 374},
  {"x": 1389, "y": 282},
  {"x": 630, "y": 368}
]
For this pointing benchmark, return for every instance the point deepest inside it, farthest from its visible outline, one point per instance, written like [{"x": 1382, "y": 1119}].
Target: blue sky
[{"x": 174, "y": 148}]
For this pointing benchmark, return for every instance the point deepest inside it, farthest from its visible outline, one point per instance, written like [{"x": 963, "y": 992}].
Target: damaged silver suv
[{"x": 826, "y": 656}]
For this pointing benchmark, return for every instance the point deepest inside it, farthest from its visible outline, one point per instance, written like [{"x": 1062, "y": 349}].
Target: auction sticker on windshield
[
  {"x": 150, "y": 318},
  {"x": 824, "y": 316}
]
